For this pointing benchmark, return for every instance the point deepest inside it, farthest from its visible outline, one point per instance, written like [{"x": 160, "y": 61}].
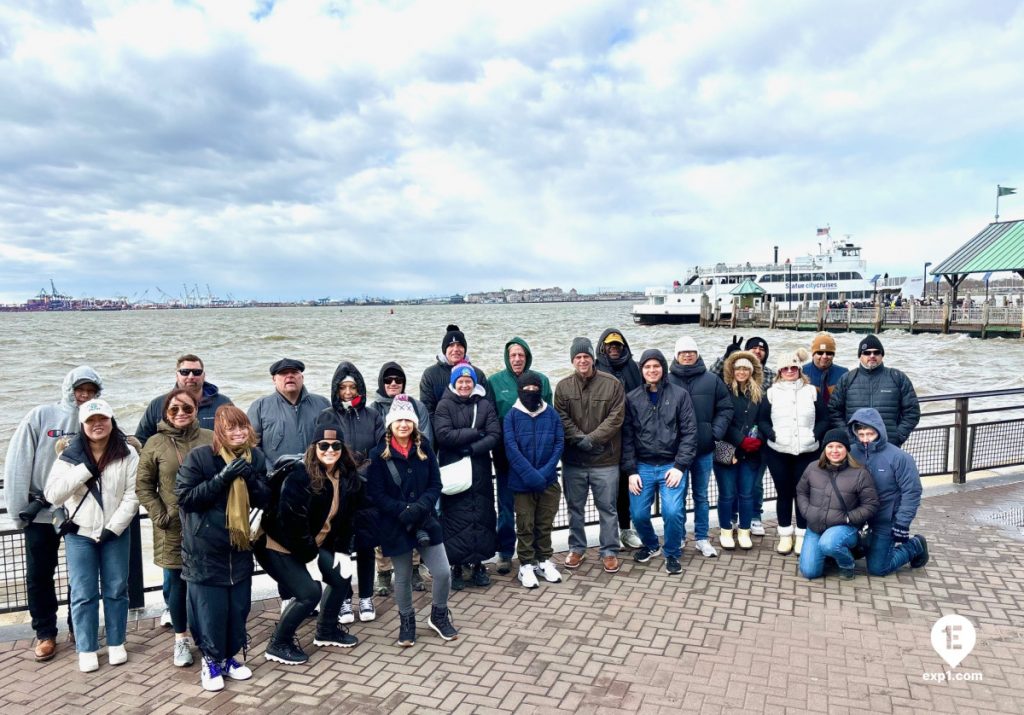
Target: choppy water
[{"x": 135, "y": 352}]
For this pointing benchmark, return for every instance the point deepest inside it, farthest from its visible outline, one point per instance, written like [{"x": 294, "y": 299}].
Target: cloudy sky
[{"x": 304, "y": 149}]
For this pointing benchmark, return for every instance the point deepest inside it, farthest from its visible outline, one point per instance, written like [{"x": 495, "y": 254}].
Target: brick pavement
[{"x": 741, "y": 632}]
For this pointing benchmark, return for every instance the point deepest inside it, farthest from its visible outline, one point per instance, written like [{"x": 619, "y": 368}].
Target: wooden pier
[{"x": 984, "y": 321}]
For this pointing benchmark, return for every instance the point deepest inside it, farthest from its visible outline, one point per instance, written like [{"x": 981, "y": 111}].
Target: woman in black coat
[
  {"x": 405, "y": 483},
  {"x": 216, "y": 488},
  {"x": 312, "y": 520},
  {"x": 466, "y": 426}
]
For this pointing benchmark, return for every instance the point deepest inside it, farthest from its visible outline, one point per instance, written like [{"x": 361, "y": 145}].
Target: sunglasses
[
  {"x": 871, "y": 352},
  {"x": 329, "y": 446},
  {"x": 824, "y": 352},
  {"x": 789, "y": 367},
  {"x": 193, "y": 371},
  {"x": 175, "y": 409},
  {"x": 393, "y": 381}
]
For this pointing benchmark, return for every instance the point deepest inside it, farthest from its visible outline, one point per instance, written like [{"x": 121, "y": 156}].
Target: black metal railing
[{"x": 956, "y": 438}]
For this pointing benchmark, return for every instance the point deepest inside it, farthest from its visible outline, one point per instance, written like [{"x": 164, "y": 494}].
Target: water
[{"x": 134, "y": 352}]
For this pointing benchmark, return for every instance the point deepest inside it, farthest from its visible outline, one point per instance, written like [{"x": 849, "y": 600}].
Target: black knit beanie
[
  {"x": 756, "y": 342},
  {"x": 871, "y": 342},
  {"x": 836, "y": 435},
  {"x": 454, "y": 335}
]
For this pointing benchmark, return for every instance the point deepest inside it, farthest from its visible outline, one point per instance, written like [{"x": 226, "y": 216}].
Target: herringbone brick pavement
[{"x": 743, "y": 632}]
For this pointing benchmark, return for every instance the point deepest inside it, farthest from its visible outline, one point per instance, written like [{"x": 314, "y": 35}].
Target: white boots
[
  {"x": 726, "y": 540},
  {"x": 785, "y": 544},
  {"x": 743, "y": 539},
  {"x": 799, "y": 541}
]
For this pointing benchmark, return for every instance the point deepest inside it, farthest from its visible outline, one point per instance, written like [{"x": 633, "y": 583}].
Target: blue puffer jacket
[
  {"x": 895, "y": 473},
  {"x": 533, "y": 444}
]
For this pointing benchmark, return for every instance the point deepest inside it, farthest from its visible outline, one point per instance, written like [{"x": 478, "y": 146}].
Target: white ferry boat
[{"x": 835, "y": 272}]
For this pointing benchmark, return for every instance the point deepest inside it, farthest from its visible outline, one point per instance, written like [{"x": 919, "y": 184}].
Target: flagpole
[{"x": 999, "y": 193}]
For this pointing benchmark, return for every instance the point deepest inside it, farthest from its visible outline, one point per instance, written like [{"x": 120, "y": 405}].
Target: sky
[{"x": 297, "y": 150}]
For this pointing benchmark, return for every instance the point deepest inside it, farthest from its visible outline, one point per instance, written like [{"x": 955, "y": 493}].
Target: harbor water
[{"x": 134, "y": 351}]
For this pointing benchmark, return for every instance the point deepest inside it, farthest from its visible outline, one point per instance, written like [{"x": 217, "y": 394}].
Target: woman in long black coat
[{"x": 466, "y": 426}]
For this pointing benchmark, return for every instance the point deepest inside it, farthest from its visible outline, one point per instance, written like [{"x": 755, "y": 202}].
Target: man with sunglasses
[
  {"x": 286, "y": 419},
  {"x": 885, "y": 389},
  {"x": 190, "y": 375},
  {"x": 823, "y": 373}
]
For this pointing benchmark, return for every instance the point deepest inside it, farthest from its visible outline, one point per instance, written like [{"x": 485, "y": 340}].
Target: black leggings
[
  {"x": 786, "y": 471},
  {"x": 622, "y": 501},
  {"x": 366, "y": 563},
  {"x": 288, "y": 570}
]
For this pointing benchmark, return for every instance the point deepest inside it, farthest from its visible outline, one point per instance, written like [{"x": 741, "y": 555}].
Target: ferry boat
[{"x": 836, "y": 272}]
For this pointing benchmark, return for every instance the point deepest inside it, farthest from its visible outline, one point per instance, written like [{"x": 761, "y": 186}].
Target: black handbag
[{"x": 860, "y": 549}]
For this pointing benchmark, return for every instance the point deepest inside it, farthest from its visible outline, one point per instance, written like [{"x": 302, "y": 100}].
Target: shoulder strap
[
  {"x": 842, "y": 502},
  {"x": 394, "y": 471}
]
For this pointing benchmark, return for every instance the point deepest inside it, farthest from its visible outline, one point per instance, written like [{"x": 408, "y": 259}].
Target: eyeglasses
[
  {"x": 824, "y": 352},
  {"x": 871, "y": 352},
  {"x": 175, "y": 409},
  {"x": 193, "y": 371},
  {"x": 332, "y": 446},
  {"x": 393, "y": 380}
]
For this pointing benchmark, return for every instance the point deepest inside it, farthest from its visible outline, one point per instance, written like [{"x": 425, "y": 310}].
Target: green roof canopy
[
  {"x": 997, "y": 247},
  {"x": 748, "y": 287}
]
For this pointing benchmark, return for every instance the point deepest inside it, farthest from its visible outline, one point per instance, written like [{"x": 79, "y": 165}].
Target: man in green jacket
[{"x": 504, "y": 392}]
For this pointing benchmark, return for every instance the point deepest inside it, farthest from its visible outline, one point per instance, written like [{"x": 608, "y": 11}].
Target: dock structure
[{"x": 984, "y": 321}]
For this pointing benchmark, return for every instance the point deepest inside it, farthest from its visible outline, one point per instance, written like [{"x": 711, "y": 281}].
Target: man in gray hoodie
[{"x": 30, "y": 455}]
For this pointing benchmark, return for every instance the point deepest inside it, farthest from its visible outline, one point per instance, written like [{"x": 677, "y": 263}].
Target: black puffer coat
[
  {"x": 887, "y": 390},
  {"x": 362, "y": 429},
  {"x": 625, "y": 370},
  {"x": 712, "y": 402},
  {"x": 301, "y": 514},
  {"x": 468, "y": 518},
  {"x": 419, "y": 483},
  {"x": 819, "y": 504},
  {"x": 208, "y": 558}
]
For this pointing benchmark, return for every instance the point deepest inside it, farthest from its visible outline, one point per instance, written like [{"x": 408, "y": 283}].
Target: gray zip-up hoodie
[{"x": 32, "y": 451}]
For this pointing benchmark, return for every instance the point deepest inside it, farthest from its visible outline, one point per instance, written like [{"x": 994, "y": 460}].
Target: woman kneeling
[{"x": 837, "y": 497}]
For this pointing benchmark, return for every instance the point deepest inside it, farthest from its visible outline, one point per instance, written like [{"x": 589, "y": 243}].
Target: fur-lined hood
[{"x": 727, "y": 368}]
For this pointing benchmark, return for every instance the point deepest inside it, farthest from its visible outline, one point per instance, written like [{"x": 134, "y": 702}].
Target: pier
[{"x": 984, "y": 321}]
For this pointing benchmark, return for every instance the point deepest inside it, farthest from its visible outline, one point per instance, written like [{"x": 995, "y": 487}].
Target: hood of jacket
[
  {"x": 656, "y": 355},
  {"x": 344, "y": 369},
  {"x": 386, "y": 367},
  {"x": 688, "y": 372},
  {"x": 602, "y": 357},
  {"x": 729, "y": 368},
  {"x": 526, "y": 348},
  {"x": 67, "y": 388},
  {"x": 188, "y": 433},
  {"x": 868, "y": 416}
]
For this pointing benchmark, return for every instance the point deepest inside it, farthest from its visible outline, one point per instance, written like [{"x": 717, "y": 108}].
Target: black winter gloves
[
  {"x": 736, "y": 344},
  {"x": 237, "y": 468},
  {"x": 412, "y": 514},
  {"x": 107, "y": 535},
  {"x": 900, "y": 533}
]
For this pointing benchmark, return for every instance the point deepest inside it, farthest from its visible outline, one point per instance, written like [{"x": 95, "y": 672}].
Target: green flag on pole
[{"x": 1005, "y": 190}]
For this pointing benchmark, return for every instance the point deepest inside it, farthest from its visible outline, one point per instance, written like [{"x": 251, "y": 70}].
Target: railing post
[
  {"x": 136, "y": 587},
  {"x": 960, "y": 426}
]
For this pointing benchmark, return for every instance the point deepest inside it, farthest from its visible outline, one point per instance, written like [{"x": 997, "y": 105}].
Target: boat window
[
  {"x": 856, "y": 276},
  {"x": 819, "y": 276},
  {"x": 803, "y": 277},
  {"x": 659, "y": 300},
  {"x": 844, "y": 276}
]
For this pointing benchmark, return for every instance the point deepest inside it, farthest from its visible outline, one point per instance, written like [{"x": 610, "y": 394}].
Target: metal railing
[{"x": 956, "y": 438}]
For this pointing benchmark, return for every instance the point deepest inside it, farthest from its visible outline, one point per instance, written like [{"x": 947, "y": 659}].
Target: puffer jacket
[
  {"x": 382, "y": 403},
  {"x": 208, "y": 558},
  {"x": 817, "y": 500},
  {"x": 885, "y": 389},
  {"x": 594, "y": 407},
  {"x": 159, "y": 462},
  {"x": 661, "y": 433},
  {"x": 625, "y": 370},
  {"x": 798, "y": 419},
  {"x": 746, "y": 414},
  {"x": 712, "y": 402},
  {"x": 436, "y": 378},
  {"x": 419, "y": 483},
  {"x": 301, "y": 514},
  {"x": 468, "y": 519},
  {"x": 534, "y": 444},
  {"x": 66, "y": 486},
  {"x": 894, "y": 472},
  {"x": 209, "y": 402}
]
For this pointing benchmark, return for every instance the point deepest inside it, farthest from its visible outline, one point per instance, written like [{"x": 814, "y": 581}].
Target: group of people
[{"x": 388, "y": 486}]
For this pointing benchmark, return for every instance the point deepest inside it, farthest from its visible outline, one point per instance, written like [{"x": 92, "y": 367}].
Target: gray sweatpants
[
  {"x": 604, "y": 483},
  {"x": 436, "y": 559}
]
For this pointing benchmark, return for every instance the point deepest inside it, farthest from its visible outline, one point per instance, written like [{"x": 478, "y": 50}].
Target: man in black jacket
[
  {"x": 189, "y": 374},
  {"x": 436, "y": 378}
]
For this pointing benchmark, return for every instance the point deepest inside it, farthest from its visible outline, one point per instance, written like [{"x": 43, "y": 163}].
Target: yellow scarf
[{"x": 238, "y": 504}]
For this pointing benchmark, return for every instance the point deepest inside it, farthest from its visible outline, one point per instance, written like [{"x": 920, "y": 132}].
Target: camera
[{"x": 36, "y": 503}]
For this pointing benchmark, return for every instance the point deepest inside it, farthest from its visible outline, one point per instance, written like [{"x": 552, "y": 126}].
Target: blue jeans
[
  {"x": 176, "y": 598},
  {"x": 835, "y": 542},
  {"x": 98, "y": 571},
  {"x": 736, "y": 492},
  {"x": 673, "y": 508},
  {"x": 885, "y": 555},
  {"x": 506, "y": 517},
  {"x": 699, "y": 477}
]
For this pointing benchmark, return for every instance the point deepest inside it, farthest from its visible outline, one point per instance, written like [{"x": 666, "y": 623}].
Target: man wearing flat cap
[{"x": 285, "y": 419}]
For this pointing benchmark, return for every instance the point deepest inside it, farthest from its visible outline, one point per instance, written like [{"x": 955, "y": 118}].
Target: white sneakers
[
  {"x": 549, "y": 572},
  {"x": 630, "y": 539},
  {"x": 346, "y": 616},
  {"x": 706, "y": 549},
  {"x": 366, "y": 610},
  {"x": 117, "y": 655},
  {"x": 88, "y": 662},
  {"x": 211, "y": 676},
  {"x": 182, "y": 652},
  {"x": 235, "y": 670},
  {"x": 165, "y": 618},
  {"x": 528, "y": 576},
  {"x": 756, "y": 528}
]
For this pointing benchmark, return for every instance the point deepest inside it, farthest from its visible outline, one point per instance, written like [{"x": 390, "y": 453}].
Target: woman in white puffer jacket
[
  {"x": 798, "y": 419},
  {"x": 94, "y": 479}
]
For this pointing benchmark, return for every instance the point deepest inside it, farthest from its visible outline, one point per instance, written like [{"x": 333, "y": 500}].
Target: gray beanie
[{"x": 581, "y": 345}]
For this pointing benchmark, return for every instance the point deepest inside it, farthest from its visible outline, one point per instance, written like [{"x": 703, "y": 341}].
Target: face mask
[{"x": 531, "y": 399}]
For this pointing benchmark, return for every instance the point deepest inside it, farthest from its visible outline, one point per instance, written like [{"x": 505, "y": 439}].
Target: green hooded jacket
[{"x": 504, "y": 386}]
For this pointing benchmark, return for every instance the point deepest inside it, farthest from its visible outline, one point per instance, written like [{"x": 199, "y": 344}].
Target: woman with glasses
[
  {"x": 177, "y": 434},
  {"x": 217, "y": 486},
  {"x": 796, "y": 422},
  {"x": 311, "y": 520},
  {"x": 94, "y": 479}
]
